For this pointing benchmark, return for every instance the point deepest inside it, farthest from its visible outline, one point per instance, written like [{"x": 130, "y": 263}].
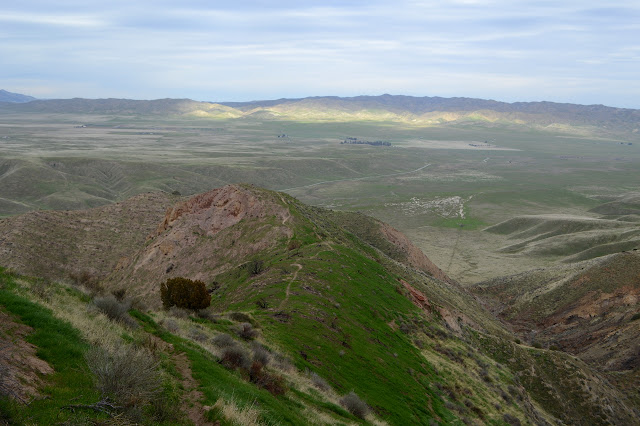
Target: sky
[{"x": 585, "y": 52}]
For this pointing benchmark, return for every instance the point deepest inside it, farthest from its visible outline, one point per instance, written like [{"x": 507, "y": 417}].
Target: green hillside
[{"x": 308, "y": 306}]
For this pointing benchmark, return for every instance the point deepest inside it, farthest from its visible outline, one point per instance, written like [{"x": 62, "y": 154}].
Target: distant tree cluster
[
  {"x": 356, "y": 141},
  {"x": 184, "y": 293}
]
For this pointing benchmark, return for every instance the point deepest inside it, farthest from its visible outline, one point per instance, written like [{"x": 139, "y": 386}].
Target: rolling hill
[
  {"x": 339, "y": 302},
  {"x": 567, "y": 238}
]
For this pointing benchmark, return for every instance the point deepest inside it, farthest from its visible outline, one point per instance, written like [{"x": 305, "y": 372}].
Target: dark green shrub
[
  {"x": 184, "y": 293},
  {"x": 293, "y": 244},
  {"x": 255, "y": 267}
]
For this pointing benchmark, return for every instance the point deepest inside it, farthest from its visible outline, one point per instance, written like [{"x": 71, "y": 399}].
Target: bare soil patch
[{"x": 20, "y": 369}]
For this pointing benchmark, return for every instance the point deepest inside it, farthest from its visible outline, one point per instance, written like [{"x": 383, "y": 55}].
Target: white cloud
[
  {"x": 515, "y": 50},
  {"x": 70, "y": 20}
]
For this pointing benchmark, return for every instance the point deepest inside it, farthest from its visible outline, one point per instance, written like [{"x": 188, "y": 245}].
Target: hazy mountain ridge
[
  {"x": 536, "y": 112},
  {"x": 6, "y": 96},
  {"x": 395, "y": 108}
]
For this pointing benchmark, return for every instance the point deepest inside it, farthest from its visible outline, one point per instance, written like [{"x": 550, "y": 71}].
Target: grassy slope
[
  {"x": 338, "y": 314},
  {"x": 336, "y": 306},
  {"x": 62, "y": 347}
]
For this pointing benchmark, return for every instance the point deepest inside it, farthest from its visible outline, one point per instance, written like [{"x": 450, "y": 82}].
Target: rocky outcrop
[
  {"x": 413, "y": 255},
  {"x": 221, "y": 208},
  {"x": 203, "y": 236}
]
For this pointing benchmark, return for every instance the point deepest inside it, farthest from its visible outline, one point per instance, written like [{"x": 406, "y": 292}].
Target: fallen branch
[{"x": 102, "y": 406}]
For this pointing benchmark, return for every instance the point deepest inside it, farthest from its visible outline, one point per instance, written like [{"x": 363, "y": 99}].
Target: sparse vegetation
[
  {"x": 342, "y": 314},
  {"x": 246, "y": 331},
  {"x": 223, "y": 341},
  {"x": 260, "y": 354},
  {"x": 319, "y": 382},
  {"x": 235, "y": 356},
  {"x": 125, "y": 374},
  {"x": 87, "y": 280},
  {"x": 114, "y": 309},
  {"x": 171, "y": 325},
  {"x": 355, "y": 405}
]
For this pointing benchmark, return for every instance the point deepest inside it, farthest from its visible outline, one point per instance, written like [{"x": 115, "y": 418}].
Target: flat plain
[{"x": 480, "y": 199}]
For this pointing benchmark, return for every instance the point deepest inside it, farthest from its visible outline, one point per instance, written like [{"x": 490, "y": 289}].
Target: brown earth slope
[
  {"x": 80, "y": 243},
  {"x": 589, "y": 309},
  {"x": 151, "y": 237}
]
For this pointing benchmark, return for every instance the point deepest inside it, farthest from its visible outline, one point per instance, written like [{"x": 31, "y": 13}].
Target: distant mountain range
[
  {"x": 425, "y": 111},
  {"x": 14, "y": 97}
]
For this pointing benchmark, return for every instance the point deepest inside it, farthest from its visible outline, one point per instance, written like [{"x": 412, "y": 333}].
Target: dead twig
[{"x": 102, "y": 406}]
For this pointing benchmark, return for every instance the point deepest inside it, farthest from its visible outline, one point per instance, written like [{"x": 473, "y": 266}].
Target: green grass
[
  {"x": 63, "y": 348},
  {"x": 218, "y": 382},
  {"x": 340, "y": 305}
]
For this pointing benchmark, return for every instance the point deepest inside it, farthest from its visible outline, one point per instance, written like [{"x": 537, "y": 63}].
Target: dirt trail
[
  {"x": 191, "y": 404},
  {"x": 286, "y": 218},
  {"x": 295, "y": 275},
  {"x": 358, "y": 178},
  {"x": 453, "y": 251}
]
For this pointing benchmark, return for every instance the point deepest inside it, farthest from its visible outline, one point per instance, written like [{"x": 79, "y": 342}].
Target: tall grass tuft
[{"x": 126, "y": 374}]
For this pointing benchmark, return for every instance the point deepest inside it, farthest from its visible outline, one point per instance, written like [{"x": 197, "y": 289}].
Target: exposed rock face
[
  {"x": 140, "y": 243},
  {"x": 590, "y": 312},
  {"x": 219, "y": 209},
  {"x": 197, "y": 238}
]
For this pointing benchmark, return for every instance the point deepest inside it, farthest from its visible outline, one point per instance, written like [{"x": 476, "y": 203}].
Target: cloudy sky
[{"x": 582, "y": 51}]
